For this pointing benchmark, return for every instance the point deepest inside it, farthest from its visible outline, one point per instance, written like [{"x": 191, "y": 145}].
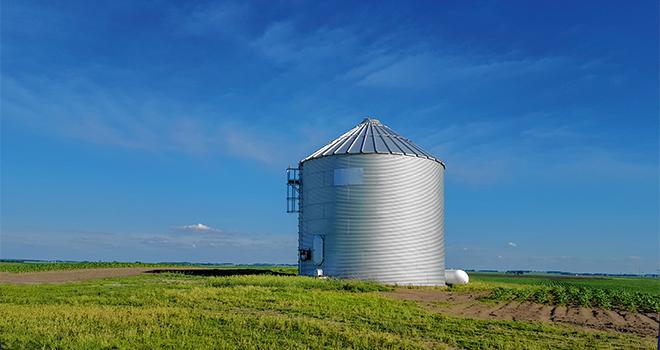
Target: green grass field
[
  {"x": 257, "y": 312},
  {"x": 20, "y": 267}
]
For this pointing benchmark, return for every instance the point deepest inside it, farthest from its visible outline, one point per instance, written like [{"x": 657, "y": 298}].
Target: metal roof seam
[
  {"x": 364, "y": 139},
  {"x": 331, "y": 144},
  {"x": 356, "y": 140},
  {"x": 380, "y": 134}
]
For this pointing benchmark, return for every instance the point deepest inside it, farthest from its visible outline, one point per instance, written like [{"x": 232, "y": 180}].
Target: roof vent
[{"x": 369, "y": 120}]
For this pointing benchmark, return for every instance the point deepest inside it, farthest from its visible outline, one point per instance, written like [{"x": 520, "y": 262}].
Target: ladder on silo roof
[{"x": 292, "y": 190}]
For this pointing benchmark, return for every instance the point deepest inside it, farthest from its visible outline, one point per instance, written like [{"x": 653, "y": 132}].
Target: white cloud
[
  {"x": 198, "y": 228},
  {"x": 512, "y": 244}
]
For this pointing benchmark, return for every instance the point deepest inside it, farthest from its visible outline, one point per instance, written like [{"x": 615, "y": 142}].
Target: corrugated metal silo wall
[{"x": 389, "y": 229}]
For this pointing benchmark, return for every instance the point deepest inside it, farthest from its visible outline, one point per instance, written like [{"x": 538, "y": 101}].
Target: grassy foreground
[{"x": 256, "y": 312}]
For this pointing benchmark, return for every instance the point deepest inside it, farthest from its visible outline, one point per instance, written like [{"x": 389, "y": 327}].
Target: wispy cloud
[
  {"x": 486, "y": 152},
  {"x": 226, "y": 18},
  {"x": 350, "y": 55},
  {"x": 251, "y": 144},
  {"x": 77, "y": 106},
  {"x": 283, "y": 43},
  {"x": 512, "y": 244},
  {"x": 558, "y": 132},
  {"x": 420, "y": 68},
  {"x": 83, "y": 110}
]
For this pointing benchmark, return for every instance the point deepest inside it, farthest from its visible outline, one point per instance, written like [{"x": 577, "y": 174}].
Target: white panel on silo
[{"x": 348, "y": 176}]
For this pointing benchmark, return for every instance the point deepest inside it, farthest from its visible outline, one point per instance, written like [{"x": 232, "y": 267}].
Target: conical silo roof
[{"x": 371, "y": 136}]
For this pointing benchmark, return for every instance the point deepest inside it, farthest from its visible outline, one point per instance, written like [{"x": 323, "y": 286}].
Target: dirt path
[
  {"x": 63, "y": 276},
  {"x": 468, "y": 305}
]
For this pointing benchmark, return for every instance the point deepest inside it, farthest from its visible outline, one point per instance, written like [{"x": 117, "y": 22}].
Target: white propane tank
[{"x": 456, "y": 277}]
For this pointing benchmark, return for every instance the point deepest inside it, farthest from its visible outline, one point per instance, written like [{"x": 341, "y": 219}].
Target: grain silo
[{"x": 371, "y": 206}]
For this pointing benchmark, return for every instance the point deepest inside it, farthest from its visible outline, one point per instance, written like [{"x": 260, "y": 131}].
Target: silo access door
[{"x": 317, "y": 249}]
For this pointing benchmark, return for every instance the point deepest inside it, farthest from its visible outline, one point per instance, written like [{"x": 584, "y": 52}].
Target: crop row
[{"x": 581, "y": 296}]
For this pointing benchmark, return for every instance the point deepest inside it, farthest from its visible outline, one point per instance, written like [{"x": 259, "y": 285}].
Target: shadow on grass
[{"x": 221, "y": 272}]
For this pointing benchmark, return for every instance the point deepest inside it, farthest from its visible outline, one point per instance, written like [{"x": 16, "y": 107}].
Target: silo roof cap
[{"x": 371, "y": 136}]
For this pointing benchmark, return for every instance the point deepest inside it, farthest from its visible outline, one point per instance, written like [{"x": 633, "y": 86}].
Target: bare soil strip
[{"x": 468, "y": 305}]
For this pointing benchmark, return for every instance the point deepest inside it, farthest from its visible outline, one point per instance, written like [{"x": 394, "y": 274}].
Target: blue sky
[{"x": 127, "y": 124}]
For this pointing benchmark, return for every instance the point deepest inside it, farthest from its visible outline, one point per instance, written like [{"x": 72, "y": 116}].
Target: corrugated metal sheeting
[{"x": 372, "y": 207}]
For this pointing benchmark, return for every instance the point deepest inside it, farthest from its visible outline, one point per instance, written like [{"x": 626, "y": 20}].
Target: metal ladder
[{"x": 292, "y": 190}]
